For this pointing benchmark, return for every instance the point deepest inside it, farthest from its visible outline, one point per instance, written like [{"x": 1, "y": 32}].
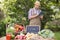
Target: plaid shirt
[{"x": 33, "y": 11}]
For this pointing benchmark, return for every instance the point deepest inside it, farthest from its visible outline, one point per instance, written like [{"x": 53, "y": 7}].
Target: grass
[{"x": 57, "y": 35}]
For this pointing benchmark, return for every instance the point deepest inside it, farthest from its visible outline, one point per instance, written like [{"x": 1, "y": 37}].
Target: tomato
[{"x": 8, "y": 37}]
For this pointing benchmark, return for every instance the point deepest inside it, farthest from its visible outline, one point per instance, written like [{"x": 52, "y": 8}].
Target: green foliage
[
  {"x": 10, "y": 30},
  {"x": 51, "y": 11},
  {"x": 2, "y": 29},
  {"x": 57, "y": 37},
  {"x": 1, "y": 15},
  {"x": 53, "y": 25}
]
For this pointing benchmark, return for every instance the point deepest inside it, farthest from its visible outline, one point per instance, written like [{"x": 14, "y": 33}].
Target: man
[{"x": 34, "y": 14}]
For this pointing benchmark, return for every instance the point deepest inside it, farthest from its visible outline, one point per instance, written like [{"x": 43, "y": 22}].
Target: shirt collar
[{"x": 35, "y": 9}]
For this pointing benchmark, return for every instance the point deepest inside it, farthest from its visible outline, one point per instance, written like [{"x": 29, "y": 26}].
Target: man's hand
[{"x": 41, "y": 17}]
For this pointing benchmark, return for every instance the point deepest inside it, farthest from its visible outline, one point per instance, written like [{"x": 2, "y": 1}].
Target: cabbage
[{"x": 46, "y": 33}]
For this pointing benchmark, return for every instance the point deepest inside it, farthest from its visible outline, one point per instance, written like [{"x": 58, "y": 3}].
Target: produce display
[
  {"x": 32, "y": 36},
  {"x": 45, "y": 34},
  {"x": 13, "y": 30}
]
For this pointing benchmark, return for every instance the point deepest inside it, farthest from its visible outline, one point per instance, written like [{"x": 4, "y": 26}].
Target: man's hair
[{"x": 37, "y": 2}]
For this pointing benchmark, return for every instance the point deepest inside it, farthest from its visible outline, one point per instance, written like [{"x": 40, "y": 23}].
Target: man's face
[{"x": 37, "y": 6}]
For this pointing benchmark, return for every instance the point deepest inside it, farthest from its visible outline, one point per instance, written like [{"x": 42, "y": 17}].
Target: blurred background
[{"x": 16, "y": 11}]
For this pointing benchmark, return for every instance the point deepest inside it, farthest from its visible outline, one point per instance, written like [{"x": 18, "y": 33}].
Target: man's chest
[{"x": 35, "y": 12}]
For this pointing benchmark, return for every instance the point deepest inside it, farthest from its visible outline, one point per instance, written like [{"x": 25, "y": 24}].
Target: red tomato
[{"x": 8, "y": 37}]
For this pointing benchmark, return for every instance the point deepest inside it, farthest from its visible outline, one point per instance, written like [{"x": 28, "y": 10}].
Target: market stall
[{"x": 18, "y": 33}]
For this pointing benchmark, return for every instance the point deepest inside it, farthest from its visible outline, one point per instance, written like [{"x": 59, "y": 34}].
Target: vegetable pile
[{"x": 17, "y": 33}]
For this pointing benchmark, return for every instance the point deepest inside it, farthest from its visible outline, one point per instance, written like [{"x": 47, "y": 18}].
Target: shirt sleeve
[{"x": 29, "y": 13}]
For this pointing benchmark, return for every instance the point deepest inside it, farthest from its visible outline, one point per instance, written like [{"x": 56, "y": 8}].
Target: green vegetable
[{"x": 46, "y": 33}]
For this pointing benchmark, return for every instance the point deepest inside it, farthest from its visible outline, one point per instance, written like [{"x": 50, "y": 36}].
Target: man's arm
[
  {"x": 33, "y": 16},
  {"x": 30, "y": 14}
]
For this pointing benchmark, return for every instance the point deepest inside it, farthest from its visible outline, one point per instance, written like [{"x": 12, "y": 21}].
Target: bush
[
  {"x": 53, "y": 25},
  {"x": 2, "y": 29}
]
